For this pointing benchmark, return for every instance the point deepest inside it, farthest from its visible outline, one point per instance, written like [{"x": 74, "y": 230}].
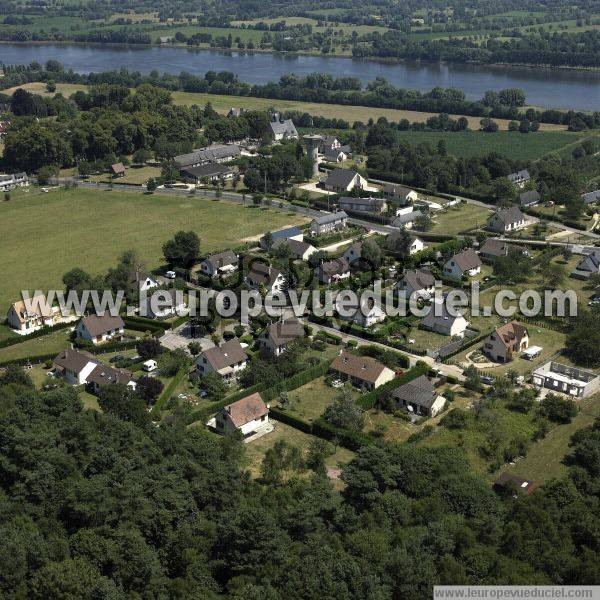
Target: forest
[{"x": 109, "y": 506}]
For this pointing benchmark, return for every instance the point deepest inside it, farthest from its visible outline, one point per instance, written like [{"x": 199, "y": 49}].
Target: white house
[
  {"x": 505, "y": 220},
  {"x": 140, "y": 282},
  {"x": 277, "y": 336},
  {"x": 290, "y": 233},
  {"x": 249, "y": 416},
  {"x": 100, "y": 329},
  {"x": 221, "y": 263},
  {"x": 333, "y": 270},
  {"x": 163, "y": 304},
  {"x": 344, "y": 180},
  {"x": 363, "y": 316},
  {"x": 265, "y": 276},
  {"x": 9, "y": 182},
  {"x": 439, "y": 320},
  {"x": 226, "y": 360},
  {"x": 419, "y": 282},
  {"x": 406, "y": 217},
  {"x": 301, "y": 250},
  {"x": 465, "y": 263},
  {"x": 282, "y": 129},
  {"x": 400, "y": 194},
  {"x": 80, "y": 368},
  {"x": 520, "y": 179},
  {"x": 27, "y": 316},
  {"x": 329, "y": 222}
]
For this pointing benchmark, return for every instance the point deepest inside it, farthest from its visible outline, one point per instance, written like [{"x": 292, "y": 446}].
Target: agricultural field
[
  {"x": 517, "y": 145},
  {"x": 91, "y": 228},
  {"x": 222, "y": 103}
]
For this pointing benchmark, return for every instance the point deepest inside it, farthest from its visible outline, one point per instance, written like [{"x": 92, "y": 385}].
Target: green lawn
[
  {"x": 44, "y": 235},
  {"x": 459, "y": 218},
  {"x": 311, "y": 400},
  {"x": 544, "y": 461},
  {"x": 53, "y": 342},
  {"x": 133, "y": 175},
  {"x": 517, "y": 145}
]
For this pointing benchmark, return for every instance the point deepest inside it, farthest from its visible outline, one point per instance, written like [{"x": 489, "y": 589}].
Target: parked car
[
  {"x": 487, "y": 379},
  {"x": 170, "y": 275},
  {"x": 117, "y": 358}
]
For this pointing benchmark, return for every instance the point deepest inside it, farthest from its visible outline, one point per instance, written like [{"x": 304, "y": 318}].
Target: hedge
[
  {"x": 291, "y": 420},
  {"x": 146, "y": 322},
  {"x": 40, "y": 358},
  {"x": 368, "y": 400},
  {"x": 376, "y": 351},
  {"x": 353, "y": 440},
  {"x": 168, "y": 391},
  {"x": 12, "y": 341},
  {"x": 295, "y": 381}
]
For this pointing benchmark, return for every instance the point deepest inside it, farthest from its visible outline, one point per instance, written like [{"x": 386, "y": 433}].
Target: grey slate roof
[
  {"x": 419, "y": 391},
  {"x": 207, "y": 170},
  {"x": 419, "y": 279},
  {"x": 529, "y": 197},
  {"x": 222, "y": 259},
  {"x": 331, "y": 218},
  {"x": 591, "y": 197},
  {"x": 587, "y": 266},
  {"x": 340, "y": 178},
  {"x": 512, "y": 214},
  {"x": 467, "y": 259},
  {"x": 521, "y": 175},
  {"x": 226, "y": 355},
  {"x": 213, "y": 153},
  {"x": 285, "y": 128}
]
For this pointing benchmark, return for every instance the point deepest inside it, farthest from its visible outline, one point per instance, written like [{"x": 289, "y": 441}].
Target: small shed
[{"x": 118, "y": 169}]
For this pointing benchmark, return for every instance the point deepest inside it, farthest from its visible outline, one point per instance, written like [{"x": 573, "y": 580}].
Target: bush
[{"x": 557, "y": 409}]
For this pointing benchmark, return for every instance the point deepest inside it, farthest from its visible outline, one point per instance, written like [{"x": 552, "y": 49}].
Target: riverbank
[{"x": 552, "y": 88}]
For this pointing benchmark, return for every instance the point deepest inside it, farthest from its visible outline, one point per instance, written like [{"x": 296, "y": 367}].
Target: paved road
[{"x": 444, "y": 368}]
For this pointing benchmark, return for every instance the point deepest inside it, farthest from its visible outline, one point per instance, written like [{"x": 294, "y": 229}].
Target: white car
[{"x": 170, "y": 275}]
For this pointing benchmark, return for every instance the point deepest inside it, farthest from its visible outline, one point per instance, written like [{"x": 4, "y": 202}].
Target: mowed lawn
[
  {"x": 459, "y": 218},
  {"x": 518, "y": 146},
  {"x": 44, "y": 235}
]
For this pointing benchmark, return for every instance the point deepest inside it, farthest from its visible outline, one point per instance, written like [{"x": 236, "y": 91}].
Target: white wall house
[
  {"x": 466, "y": 263},
  {"x": 439, "y": 320},
  {"x": 26, "y": 316},
  {"x": 249, "y": 416},
  {"x": 226, "y": 360},
  {"x": 100, "y": 329},
  {"x": 419, "y": 282},
  {"x": 276, "y": 337},
  {"x": 163, "y": 304},
  {"x": 505, "y": 220}
]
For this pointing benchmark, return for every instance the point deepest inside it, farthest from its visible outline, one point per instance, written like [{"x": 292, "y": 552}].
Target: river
[{"x": 551, "y": 88}]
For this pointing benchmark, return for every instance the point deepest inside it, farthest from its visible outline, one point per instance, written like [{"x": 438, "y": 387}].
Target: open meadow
[{"x": 44, "y": 235}]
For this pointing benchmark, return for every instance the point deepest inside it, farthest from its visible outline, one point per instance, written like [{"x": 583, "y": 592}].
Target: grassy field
[
  {"x": 458, "y": 218},
  {"x": 53, "y": 342},
  {"x": 222, "y": 104},
  {"x": 44, "y": 235},
  {"x": 255, "y": 450},
  {"x": 544, "y": 461},
  {"x": 133, "y": 175},
  {"x": 517, "y": 145}
]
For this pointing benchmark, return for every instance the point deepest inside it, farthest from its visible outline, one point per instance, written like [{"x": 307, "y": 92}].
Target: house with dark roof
[
  {"x": 333, "y": 270},
  {"x": 374, "y": 206},
  {"x": 215, "y": 153},
  {"x": 415, "y": 245},
  {"x": 419, "y": 397},
  {"x": 405, "y": 218},
  {"x": 361, "y": 371},
  {"x": 493, "y": 249},
  {"x": 301, "y": 250},
  {"x": 441, "y": 320},
  {"x": 588, "y": 265},
  {"x": 282, "y": 129},
  {"x": 505, "y": 220},
  {"x": 209, "y": 171},
  {"x": 419, "y": 282},
  {"x": 141, "y": 282},
  {"x": 344, "y": 180},
  {"x": 226, "y": 360},
  {"x": 400, "y": 194},
  {"x": 249, "y": 416},
  {"x": 506, "y": 341},
  {"x": 290, "y": 233},
  {"x": 529, "y": 198},
  {"x": 100, "y": 329},
  {"x": 81, "y": 368},
  {"x": 520, "y": 179},
  {"x": 264, "y": 276},
  {"x": 463, "y": 264},
  {"x": 220, "y": 263},
  {"x": 276, "y": 337},
  {"x": 591, "y": 197},
  {"x": 329, "y": 222}
]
